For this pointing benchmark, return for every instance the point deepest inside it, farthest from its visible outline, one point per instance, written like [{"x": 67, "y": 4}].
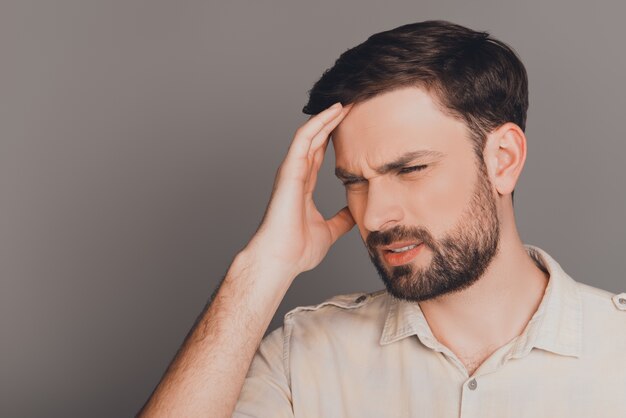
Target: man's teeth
[{"x": 403, "y": 249}]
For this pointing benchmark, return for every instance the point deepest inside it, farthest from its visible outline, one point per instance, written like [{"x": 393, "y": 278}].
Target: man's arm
[{"x": 207, "y": 374}]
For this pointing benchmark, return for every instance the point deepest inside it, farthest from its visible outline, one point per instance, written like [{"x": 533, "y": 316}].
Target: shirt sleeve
[{"x": 266, "y": 392}]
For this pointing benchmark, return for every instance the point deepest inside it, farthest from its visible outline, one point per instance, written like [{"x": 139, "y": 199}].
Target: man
[{"x": 471, "y": 322}]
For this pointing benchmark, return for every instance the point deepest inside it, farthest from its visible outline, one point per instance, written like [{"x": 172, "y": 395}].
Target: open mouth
[
  {"x": 402, "y": 249},
  {"x": 402, "y": 253}
]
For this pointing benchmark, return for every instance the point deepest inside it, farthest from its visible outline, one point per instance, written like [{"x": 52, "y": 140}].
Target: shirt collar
[{"x": 556, "y": 326}]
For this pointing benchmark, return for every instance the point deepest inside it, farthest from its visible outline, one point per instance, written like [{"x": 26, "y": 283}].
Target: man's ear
[{"x": 505, "y": 154}]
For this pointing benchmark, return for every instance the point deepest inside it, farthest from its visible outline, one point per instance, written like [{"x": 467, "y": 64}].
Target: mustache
[{"x": 397, "y": 233}]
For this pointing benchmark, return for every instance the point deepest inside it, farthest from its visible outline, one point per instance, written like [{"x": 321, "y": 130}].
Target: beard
[{"x": 459, "y": 259}]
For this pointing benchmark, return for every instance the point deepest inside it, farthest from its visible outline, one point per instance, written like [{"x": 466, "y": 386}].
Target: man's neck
[{"x": 477, "y": 321}]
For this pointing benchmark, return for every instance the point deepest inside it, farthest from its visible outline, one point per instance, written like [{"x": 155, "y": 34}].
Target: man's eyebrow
[{"x": 399, "y": 162}]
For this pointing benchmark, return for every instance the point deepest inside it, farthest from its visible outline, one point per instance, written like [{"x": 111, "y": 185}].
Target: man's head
[
  {"x": 474, "y": 77},
  {"x": 432, "y": 146}
]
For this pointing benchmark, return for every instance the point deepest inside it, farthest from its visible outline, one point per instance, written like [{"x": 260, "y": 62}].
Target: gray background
[{"x": 139, "y": 142}]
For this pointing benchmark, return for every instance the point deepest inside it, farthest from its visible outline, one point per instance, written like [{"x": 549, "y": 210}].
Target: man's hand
[
  {"x": 293, "y": 233},
  {"x": 207, "y": 374}
]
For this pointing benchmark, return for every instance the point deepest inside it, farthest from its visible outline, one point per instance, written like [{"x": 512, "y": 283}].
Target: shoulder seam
[
  {"x": 343, "y": 301},
  {"x": 306, "y": 308},
  {"x": 377, "y": 293}
]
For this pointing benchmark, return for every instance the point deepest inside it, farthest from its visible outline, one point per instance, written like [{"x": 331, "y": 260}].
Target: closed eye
[{"x": 411, "y": 169}]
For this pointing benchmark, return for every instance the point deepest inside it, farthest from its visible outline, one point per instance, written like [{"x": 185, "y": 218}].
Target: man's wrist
[{"x": 250, "y": 260}]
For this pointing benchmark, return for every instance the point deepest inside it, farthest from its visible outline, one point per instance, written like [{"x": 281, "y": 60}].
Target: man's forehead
[
  {"x": 392, "y": 113},
  {"x": 397, "y": 145},
  {"x": 385, "y": 128}
]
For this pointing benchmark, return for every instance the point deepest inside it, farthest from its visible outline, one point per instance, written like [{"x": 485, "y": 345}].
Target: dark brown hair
[{"x": 475, "y": 77}]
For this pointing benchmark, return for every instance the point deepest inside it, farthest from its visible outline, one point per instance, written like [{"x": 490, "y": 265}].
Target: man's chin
[
  {"x": 405, "y": 281},
  {"x": 401, "y": 293},
  {"x": 397, "y": 279}
]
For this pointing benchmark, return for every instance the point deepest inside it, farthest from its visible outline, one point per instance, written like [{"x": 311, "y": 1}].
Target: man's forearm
[
  {"x": 206, "y": 376},
  {"x": 208, "y": 372}
]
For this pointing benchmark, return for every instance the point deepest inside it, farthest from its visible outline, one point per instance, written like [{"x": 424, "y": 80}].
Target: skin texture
[{"x": 473, "y": 279}]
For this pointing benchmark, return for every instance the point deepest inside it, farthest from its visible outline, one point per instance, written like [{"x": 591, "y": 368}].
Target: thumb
[{"x": 339, "y": 224}]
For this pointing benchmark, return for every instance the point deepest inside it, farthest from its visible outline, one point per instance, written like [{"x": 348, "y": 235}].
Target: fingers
[
  {"x": 318, "y": 150},
  {"x": 302, "y": 140},
  {"x": 318, "y": 159},
  {"x": 340, "y": 224},
  {"x": 324, "y": 122},
  {"x": 322, "y": 136}
]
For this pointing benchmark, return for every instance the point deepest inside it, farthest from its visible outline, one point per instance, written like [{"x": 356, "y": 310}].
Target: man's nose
[{"x": 383, "y": 209}]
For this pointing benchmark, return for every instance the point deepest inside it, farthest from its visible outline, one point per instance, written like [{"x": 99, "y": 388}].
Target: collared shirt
[{"x": 372, "y": 355}]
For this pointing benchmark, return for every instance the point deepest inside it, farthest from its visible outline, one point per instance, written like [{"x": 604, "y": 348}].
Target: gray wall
[{"x": 139, "y": 141}]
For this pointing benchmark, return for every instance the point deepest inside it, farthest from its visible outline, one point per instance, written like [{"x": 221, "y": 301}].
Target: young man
[{"x": 471, "y": 323}]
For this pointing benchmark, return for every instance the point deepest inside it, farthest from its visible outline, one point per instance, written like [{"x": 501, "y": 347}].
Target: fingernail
[{"x": 336, "y": 105}]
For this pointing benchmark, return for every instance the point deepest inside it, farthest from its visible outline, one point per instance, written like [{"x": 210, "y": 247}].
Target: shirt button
[
  {"x": 472, "y": 384},
  {"x": 620, "y": 301},
  {"x": 360, "y": 299}
]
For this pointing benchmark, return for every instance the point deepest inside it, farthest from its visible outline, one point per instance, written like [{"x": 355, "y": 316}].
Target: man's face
[{"x": 424, "y": 205}]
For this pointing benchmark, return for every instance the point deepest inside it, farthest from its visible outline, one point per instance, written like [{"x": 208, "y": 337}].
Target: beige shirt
[{"x": 372, "y": 355}]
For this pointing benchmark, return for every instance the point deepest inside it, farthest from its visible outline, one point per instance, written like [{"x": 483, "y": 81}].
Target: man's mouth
[
  {"x": 401, "y": 253},
  {"x": 400, "y": 247},
  {"x": 403, "y": 249}
]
